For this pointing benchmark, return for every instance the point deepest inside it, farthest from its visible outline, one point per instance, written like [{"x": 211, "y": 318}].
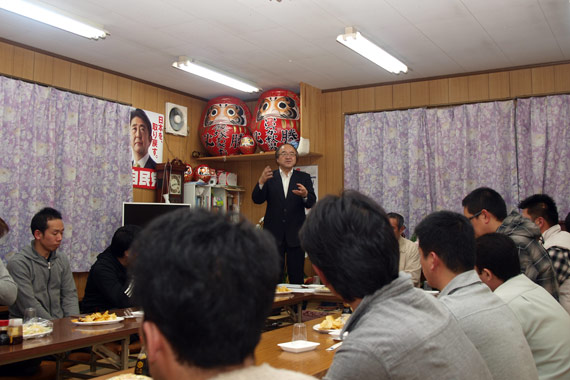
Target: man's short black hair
[
  {"x": 499, "y": 254},
  {"x": 122, "y": 239},
  {"x": 39, "y": 221},
  {"x": 3, "y": 227},
  {"x": 351, "y": 240},
  {"x": 207, "y": 283},
  {"x": 143, "y": 116},
  {"x": 488, "y": 199},
  {"x": 451, "y": 236},
  {"x": 399, "y": 218},
  {"x": 541, "y": 205}
]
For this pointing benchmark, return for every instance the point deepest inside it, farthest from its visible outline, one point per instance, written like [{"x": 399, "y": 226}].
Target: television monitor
[{"x": 140, "y": 213}]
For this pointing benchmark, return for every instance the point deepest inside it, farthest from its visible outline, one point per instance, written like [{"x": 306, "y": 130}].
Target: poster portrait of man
[{"x": 146, "y": 139}]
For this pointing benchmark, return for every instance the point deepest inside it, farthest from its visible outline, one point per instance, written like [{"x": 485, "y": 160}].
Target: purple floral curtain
[
  {"x": 543, "y": 142},
  {"x": 421, "y": 160},
  {"x": 66, "y": 151}
]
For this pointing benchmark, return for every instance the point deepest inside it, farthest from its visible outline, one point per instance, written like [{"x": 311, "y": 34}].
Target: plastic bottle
[
  {"x": 141, "y": 367},
  {"x": 16, "y": 331}
]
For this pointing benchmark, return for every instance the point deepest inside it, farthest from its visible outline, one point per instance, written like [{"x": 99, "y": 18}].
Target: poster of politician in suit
[{"x": 146, "y": 131}]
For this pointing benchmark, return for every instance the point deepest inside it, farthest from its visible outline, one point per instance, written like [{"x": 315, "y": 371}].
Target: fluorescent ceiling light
[
  {"x": 211, "y": 73},
  {"x": 355, "y": 41},
  {"x": 52, "y": 18}
]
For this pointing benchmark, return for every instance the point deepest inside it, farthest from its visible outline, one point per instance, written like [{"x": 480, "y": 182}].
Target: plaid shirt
[
  {"x": 559, "y": 257},
  {"x": 535, "y": 261}
]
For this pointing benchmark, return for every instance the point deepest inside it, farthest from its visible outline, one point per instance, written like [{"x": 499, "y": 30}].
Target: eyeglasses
[
  {"x": 475, "y": 215},
  {"x": 287, "y": 154}
]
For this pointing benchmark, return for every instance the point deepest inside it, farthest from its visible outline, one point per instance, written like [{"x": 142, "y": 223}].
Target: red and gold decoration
[
  {"x": 202, "y": 172},
  {"x": 188, "y": 174},
  {"x": 276, "y": 119},
  {"x": 247, "y": 145},
  {"x": 224, "y": 122}
]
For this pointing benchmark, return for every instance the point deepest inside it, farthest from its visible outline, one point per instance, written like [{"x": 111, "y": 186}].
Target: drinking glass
[
  {"x": 29, "y": 315},
  {"x": 299, "y": 332}
]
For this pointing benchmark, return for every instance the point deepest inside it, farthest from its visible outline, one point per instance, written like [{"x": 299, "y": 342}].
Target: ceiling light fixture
[
  {"x": 53, "y": 18},
  {"x": 216, "y": 75},
  {"x": 354, "y": 40}
]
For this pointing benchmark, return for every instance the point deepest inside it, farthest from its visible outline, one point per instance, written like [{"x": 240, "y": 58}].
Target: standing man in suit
[{"x": 288, "y": 193}]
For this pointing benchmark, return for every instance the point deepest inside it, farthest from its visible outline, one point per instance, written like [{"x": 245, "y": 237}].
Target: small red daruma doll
[
  {"x": 188, "y": 174},
  {"x": 202, "y": 172},
  {"x": 247, "y": 145},
  {"x": 276, "y": 119},
  {"x": 224, "y": 122}
]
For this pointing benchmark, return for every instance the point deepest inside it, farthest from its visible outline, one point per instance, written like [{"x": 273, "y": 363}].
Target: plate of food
[
  {"x": 97, "y": 319},
  {"x": 281, "y": 290},
  {"x": 329, "y": 324},
  {"x": 322, "y": 289},
  {"x": 37, "y": 330}
]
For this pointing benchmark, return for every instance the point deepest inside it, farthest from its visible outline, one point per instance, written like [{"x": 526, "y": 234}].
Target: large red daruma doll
[
  {"x": 224, "y": 122},
  {"x": 276, "y": 119}
]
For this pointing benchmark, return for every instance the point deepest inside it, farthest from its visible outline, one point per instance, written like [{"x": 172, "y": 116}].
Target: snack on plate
[
  {"x": 282, "y": 289},
  {"x": 331, "y": 324},
  {"x": 129, "y": 376},
  {"x": 36, "y": 328},
  {"x": 97, "y": 317}
]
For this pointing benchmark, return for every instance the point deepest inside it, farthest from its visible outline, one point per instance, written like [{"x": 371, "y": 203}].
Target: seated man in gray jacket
[
  {"x": 447, "y": 255},
  {"x": 43, "y": 275},
  {"x": 396, "y": 331}
]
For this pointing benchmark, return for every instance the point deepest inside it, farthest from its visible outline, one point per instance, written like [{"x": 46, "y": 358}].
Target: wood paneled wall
[
  {"x": 19, "y": 62},
  {"x": 508, "y": 84},
  {"x": 322, "y": 112}
]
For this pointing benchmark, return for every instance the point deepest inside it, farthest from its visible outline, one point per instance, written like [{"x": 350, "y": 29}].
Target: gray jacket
[
  {"x": 400, "y": 332},
  {"x": 491, "y": 326},
  {"x": 46, "y": 285},
  {"x": 8, "y": 288}
]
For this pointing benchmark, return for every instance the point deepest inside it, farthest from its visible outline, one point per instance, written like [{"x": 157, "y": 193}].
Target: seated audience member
[
  {"x": 43, "y": 275},
  {"x": 545, "y": 324},
  {"x": 206, "y": 285},
  {"x": 108, "y": 286},
  {"x": 409, "y": 255},
  {"x": 447, "y": 254},
  {"x": 487, "y": 211},
  {"x": 541, "y": 209},
  {"x": 396, "y": 331},
  {"x": 8, "y": 288}
]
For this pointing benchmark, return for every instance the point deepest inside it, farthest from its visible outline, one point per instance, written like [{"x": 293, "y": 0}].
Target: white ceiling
[{"x": 281, "y": 43}]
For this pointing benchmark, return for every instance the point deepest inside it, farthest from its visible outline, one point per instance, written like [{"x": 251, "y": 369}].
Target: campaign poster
[{"x": 146, "y": 140}]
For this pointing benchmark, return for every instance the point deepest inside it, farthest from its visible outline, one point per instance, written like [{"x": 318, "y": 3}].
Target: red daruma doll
[
  {"x": 276, "y": 119},
  {"x": 224, "y": 122}
]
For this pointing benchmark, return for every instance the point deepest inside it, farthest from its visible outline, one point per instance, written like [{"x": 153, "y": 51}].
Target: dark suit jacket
[
  {"x": 150, "y": 164},
  {"x": 285, "y": 216}
]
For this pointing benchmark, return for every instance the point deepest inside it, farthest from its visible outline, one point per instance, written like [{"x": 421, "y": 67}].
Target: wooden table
[
  {"x": 315, "y": 363},
  {"x": 296, "y": 299},
  {"x": 66, "y": 337}
]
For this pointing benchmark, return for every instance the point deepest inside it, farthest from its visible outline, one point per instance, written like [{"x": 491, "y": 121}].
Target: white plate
[
  {"x": 322, "y": 289},
  {"x": 37, "y": 335},
  {"x": 283, "y": 293},
  {"x": 317, "y": 329},
  {"x": 138, "y": 314},
  {"x": 434, "y": 293},
  {"x": 298, "y": 346},
  {"x": 110, "y": 322}
]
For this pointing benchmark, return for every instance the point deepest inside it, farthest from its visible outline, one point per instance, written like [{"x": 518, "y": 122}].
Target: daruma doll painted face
[
  {"x": 276, "y": 119},
  {"x": 224, "y": 122}
]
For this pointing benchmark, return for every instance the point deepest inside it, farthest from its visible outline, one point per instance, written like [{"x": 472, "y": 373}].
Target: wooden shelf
[{"x": 250, "y": 157}]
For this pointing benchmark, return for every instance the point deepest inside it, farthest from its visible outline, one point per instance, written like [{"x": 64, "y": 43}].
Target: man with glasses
[
  {"x": 288, "y": 193},
  {"x": 487, "y": 212}
]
